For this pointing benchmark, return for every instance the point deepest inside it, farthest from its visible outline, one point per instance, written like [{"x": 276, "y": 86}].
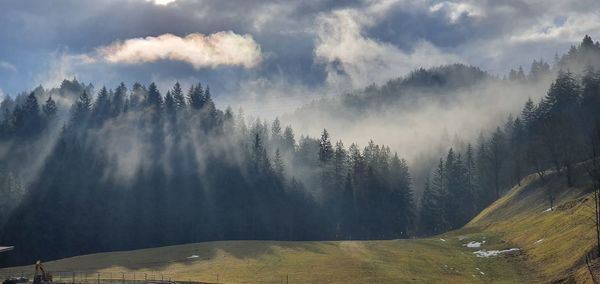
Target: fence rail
[{"x": 71, "y": 277}]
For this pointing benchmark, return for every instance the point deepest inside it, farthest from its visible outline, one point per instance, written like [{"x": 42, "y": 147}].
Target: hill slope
[
  {"x": 428, "y": 260},
  {"x": 556, "y": 242},
  {"x": 547, "y": 246}
]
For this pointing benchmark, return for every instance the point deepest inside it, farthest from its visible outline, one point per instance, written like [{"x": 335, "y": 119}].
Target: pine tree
[
  {"x": 178, "y": 96},
  {"x": 276, "y": 132},
  {"x": 50, "y": 108},
  {"x": 118, "y": 100},
  {"x": 431, "y": 214},
  {"x": 472, "y": 179},
  {"x": 289, "y": 141},
  {"x": 528, "y": 113},
  {"x": 196, "y": 97},
  {"x": 325, "y": 148},
  {"x": 326, "y": 154},
  {"x": 518, "y": 145},
  {"x": 170, "y": 105},
  {"x": 81, "y": 109},
  {"x": 521, "y": 74},
  {"x": 31, "y": 118},
  {"x": 278, "y": 165},
  {"x": 154, "y": 99},
  {"x": 563, "y": 95},
  {"x": 590, "y": 95},
  {"x": 495, "y": 156},
  {"x": 138, "y": 95},
  {"x": 101, "y": 107},
  {"x": 340, "y": 160}
]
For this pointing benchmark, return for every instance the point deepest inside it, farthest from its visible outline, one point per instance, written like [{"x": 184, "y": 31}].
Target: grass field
[
  {"x": 557, "y": 241},
  {"x": 442, "y": 259},
  {"x": 552, "y": 244}
]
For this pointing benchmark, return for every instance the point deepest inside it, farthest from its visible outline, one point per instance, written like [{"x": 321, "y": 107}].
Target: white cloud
[
  {"x": 8, "y": 66},
  {"x": 60, "y": 66},
  {"x": 354, "y": 60},
  {"x": 201, "y": 51},
  {"x": 455, "y": 10},
  {"x": 572, "y": 30},
  {"x": 161, "y": 2}
]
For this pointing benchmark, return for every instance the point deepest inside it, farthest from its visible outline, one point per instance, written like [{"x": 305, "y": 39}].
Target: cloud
[
  {"x": 353, "y": 59},
  {"x": 201, "y": 51},
  {"x": 162, "y": 2},
  {"x": 455, "y": 10},
  {"x": 8, "y": 66},
  {"x": 571, "y": 29},
  {"x": 60, "y": 66}
]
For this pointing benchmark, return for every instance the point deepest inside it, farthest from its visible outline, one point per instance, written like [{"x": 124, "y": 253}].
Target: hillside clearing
[{"x": 426, "y": 260}]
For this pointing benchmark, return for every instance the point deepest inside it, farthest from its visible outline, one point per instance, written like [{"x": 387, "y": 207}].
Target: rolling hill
[{"x": 515, "y": 240}]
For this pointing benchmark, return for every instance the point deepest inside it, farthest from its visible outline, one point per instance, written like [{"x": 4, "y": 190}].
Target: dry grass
[
  {"x": 556, "y": 241},
  {"x": 426, "y": 260}
]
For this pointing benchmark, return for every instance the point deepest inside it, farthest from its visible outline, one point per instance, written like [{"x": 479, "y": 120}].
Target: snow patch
[
  {"x": 547, "y": 210},
  {"x": 442, "y": 240},
  {"x": 193, "y": 256},
  {"x": 493, "y": 253},
  {"x": 538, "y": 241},
  {"x": 474, "y": 244}
]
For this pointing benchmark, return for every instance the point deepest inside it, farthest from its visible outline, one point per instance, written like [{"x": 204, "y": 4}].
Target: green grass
[
  {"x": 393, "y": 261},
  {"x": 555, "y": 242},
  {"x": 516, "y": 220}
]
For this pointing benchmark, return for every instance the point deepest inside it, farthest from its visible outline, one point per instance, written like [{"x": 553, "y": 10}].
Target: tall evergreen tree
[
  {"x": 50, "y": 108},
  {"x": 178, "y": 96}
]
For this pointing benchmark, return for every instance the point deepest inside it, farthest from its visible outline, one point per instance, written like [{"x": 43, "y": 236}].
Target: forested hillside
[
  {"x": 128, "y": 168},
  {"x": 552, "y": 135},
  {"x": 133, "y": 169}
]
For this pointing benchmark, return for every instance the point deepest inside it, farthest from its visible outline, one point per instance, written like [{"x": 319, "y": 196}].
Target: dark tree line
[
  {"x": 131, "y": 168},
  {"x": 551, "y": 135}
]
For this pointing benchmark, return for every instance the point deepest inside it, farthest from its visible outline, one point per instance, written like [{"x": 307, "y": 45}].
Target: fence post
[
  {"x": 145, "y": 278},
  {"x": 123, "y": 274},
  {"x": 73, "y": 277}
]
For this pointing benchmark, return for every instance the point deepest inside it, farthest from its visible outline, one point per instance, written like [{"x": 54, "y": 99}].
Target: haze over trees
[
  {"x": 551, "y": 135},
  {"x": 135, "y": 167}
]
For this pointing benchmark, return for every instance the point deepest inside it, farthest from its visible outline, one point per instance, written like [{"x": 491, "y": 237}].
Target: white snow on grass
[
  {"x": 547, "y": 210},
  {"x": 474, "y": 244},
  {"x": 538, "y": 241},
  {"x": 193, "y": 256},
  {"x": 493, "y": 253},
  {"x": 442, "y": 240}
]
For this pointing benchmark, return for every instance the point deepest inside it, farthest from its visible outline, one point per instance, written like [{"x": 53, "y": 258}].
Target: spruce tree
[{"x": 50, "y": 108}]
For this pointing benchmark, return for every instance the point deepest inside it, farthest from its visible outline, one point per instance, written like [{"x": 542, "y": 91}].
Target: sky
[{"x": 287, "y": 51}]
